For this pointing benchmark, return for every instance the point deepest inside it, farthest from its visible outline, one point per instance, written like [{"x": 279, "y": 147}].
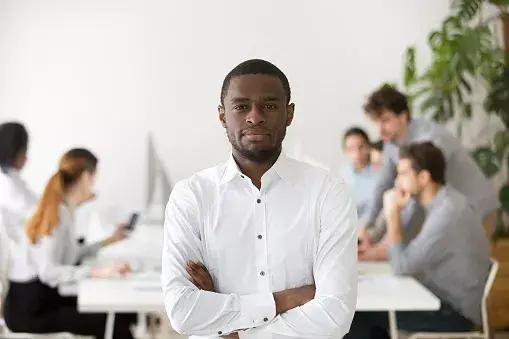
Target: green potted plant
[{"x": 464, "y": 54}]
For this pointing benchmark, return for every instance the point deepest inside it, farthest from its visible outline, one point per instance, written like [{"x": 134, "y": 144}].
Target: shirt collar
[
  {"x": 438, "y": 199},
  {"x": 282, "y": 167},
  {"x": 410, "y": 132},
  {"x": 354, "y": 171}
]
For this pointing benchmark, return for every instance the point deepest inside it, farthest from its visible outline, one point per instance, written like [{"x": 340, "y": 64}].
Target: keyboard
[{"x": 145, "y": 285}]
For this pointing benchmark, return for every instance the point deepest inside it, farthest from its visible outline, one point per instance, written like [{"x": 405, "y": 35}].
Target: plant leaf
[
  {"x": 467, "y": 9},
  {"x": 503, "y": 196},
  {"x": 467, "y": 110},
  {"x": 410, "y": 76},
  {"x": 501, "y": 143},
  {"x": 487, "y": 161}
]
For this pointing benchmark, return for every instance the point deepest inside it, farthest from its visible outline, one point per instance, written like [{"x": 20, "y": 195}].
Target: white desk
[{"x": 378, "y": 291}]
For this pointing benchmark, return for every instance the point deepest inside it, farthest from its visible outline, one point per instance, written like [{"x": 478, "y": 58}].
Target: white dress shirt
[
  {"x": 53, "y": 258},
  {"x": 17, "y": 203},
  {"x": 298, "y": 229}
]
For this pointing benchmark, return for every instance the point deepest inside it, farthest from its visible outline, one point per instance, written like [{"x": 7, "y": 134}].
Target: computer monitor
[{"x": 158, "y": 185}]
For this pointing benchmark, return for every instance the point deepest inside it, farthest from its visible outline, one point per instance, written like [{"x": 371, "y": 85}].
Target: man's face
[
  {"x": 357, "y": 150},
  {"x": 255, "y": 115},
  {"x": 375, "y": 156},
  {"x": 390, "y": 125},
  {"x": 407, "y": 178}
]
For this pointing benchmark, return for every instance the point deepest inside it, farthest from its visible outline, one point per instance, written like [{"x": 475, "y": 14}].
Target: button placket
[{"x": 261, "y": 245}]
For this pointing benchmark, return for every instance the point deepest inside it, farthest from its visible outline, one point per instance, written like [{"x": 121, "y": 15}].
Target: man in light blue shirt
[
  {"x": 358, "y": 171},
  {"x": 362, "y": 175}
]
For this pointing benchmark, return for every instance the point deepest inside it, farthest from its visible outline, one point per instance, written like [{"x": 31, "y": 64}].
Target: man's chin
[{"x": 259, "y": 154}]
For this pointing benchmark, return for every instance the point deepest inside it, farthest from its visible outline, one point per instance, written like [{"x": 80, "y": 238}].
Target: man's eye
[
  {"x": 270, "y": 106},
  {"x": 239, "y": 107}
]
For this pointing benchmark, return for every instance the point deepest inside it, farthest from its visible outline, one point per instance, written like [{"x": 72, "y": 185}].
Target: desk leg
[
  {"x": 141, "y": 326},
  {"x": 393, "y": 326},
  {"x": 110, "y": 322}
]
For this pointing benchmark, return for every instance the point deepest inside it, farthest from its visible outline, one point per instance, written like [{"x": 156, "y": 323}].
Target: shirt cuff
[
  {"x": 81, "y": 272},
  {"x": 394, "y": 254},
  {"x": 395, "y": 249},
  {"x": 259, "y": 309}
]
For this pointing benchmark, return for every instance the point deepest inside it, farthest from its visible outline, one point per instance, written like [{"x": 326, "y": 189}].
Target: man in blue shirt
[{"x": 358, "y": 171}]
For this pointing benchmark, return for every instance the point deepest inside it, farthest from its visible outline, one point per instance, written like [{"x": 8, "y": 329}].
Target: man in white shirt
[{"x": 277, "y": 235}]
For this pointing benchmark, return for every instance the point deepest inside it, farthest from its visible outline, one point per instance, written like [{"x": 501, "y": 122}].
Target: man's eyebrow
[
  {"x": 271, "y": 98},
  {"x": 236, "y": 100}
]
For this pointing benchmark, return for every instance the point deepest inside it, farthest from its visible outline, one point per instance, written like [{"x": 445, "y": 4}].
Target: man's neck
[
  {"x": 253, "y": 169},
  {"x": 360, "y": 167},
  {"x": 429, "y": 193},
  {"x": 402, "y": 135}
]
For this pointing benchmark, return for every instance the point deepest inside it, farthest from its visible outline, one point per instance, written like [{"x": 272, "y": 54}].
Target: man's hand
[
  {"x": 374, "y": 253},
  {"x": 234, "y": 335},
  {"x": 202, "y": 279},
  {"x": 285, "y": 300},
  {"x": 200, "y": 276},
  {"x": 364, "y": 241},
  {"x": 394, "y": 200},
  {"x": 295, "y": 297}
]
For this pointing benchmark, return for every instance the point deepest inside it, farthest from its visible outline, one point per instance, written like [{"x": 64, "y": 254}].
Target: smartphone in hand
[{"x": 132, "y": 222}]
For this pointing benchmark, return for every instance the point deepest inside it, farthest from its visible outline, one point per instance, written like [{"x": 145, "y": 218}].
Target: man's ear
[
  {"x": 289, "y": 114},
  {"x": 222, "y": 119},
  {"x": 424, "y": 177}
]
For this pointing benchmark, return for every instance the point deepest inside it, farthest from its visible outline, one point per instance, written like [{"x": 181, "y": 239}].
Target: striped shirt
[
  {"x": 462, "y": 172},
  {"x": 450, "y": 256}
]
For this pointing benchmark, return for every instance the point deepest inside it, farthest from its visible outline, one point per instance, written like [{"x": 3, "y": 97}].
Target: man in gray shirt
[
  {"x": 388, "y": 108},
  {"x": 450, "y": 255}
]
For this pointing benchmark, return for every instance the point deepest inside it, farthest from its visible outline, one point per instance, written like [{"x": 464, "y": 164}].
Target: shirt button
[
  {"x": 259, "y": 236},
  {"x": 262, "y": 273},
  {"x": 258, "y": 201},
  {"x": 242, "y": 176},
  {"x": 265, "y": 319}
]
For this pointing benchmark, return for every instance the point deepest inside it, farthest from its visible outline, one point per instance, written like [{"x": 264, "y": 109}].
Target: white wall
[{"x": 102, "y": 73}]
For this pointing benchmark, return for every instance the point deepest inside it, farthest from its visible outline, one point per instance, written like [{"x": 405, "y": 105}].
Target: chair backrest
[{"x": 487, "y": 289}]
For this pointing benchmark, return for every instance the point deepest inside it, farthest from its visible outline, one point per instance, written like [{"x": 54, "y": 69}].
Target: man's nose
[{"x": 255, "y": 115}]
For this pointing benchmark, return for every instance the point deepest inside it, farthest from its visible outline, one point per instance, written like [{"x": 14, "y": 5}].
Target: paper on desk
[{"x": 381, "y": 280}]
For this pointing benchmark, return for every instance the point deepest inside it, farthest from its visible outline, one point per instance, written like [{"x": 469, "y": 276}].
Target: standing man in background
[
  {"x": 388, "y": 109},
  {"x": 277, "y": 235}
]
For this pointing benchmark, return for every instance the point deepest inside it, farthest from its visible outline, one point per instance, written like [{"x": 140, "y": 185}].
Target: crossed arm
[{"x": 292, "y": 312}]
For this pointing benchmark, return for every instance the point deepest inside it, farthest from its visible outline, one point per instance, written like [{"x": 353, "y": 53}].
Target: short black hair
[
  {"x": 255, "y": 66},
  {"x": 388, "y": 98},
  {"x": 378, "y": 145},
  {"x": 425, "y": 156},
  {"x": 356, "y": 131},
  {"x": 13, "y": 141}
]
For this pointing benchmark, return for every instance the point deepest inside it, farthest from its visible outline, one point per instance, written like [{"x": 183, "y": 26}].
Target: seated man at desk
[{"x": 450, "y": 255}]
